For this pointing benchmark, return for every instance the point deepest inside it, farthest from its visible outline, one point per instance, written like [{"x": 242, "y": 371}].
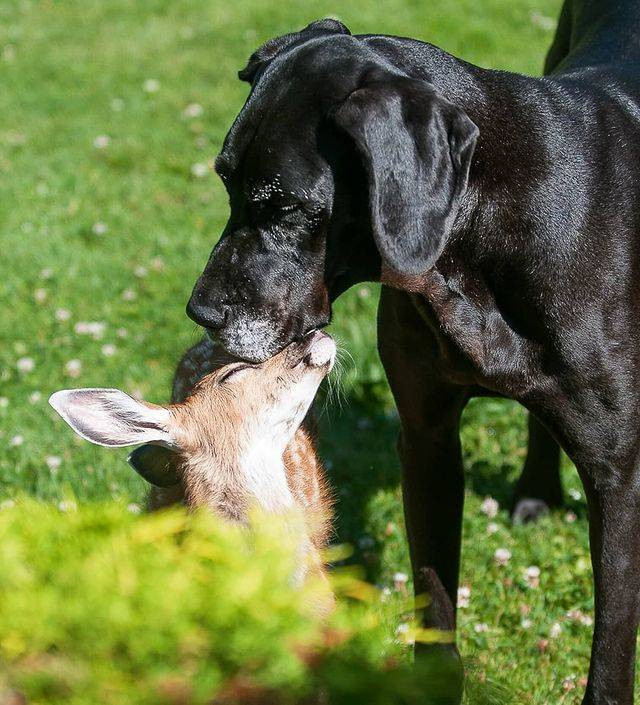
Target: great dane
[{"x": 501, "y": 214}]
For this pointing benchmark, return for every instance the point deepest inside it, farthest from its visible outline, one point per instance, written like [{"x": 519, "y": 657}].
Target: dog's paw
[{"x": 528, "y": 510}]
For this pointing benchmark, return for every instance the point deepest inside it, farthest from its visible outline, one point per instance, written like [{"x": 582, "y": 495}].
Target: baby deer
[{"x": 232, "y": 438}]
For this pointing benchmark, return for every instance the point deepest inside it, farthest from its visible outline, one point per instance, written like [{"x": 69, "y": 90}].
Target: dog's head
[{"x": 337, "y": 163}]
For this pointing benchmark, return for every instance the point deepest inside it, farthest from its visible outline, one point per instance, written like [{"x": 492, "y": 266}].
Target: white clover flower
[
  {"x": 62, "y": 314},
  {"x": 492, "y": 528},
  {"x": 129, "y": 295},
  {"x": 93, "y": 328},
  {"x": 53, "y": 462},
  {"x": 157, "y": 264},
  {"x": 35, "y": 397},
  {"x": 464, "y": 594},
  {"x": 4, "y": 402},
  {"x": 101, "y": 141},
  {"x": 140, "y": 271},
  {"x": 108, "y": 350},
  {"x": 16, "y": 441},
  {"x": 67, "y": 506},
  {"x": 480, "y": 628},
  {"x": 73, "y": 368},
  {"x": 570, "y": 517},
  {"x": 532, "y": 576},
  {"x": 490, "y": 507},
  {"x": 576, "y": 495},
  {"x": 99, "y": 228},
  {"x": 46, "y": 273},
  {"x": 502, "y": 556},
  {"x": 569, "y": 683},
  {"x": 555, "y": 631},
  {"x": 25, "y": 364},
  {"x": 151, "y": 85},
  {"x": 193, "y": 110},
  {"x": 199, "y": 170},
  {"x": 526, "y": 623},
  {"x": 40, "y": 295}
]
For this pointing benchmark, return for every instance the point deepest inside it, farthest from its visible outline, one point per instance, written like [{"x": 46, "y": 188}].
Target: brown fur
[{"x": 212, "y": 423}]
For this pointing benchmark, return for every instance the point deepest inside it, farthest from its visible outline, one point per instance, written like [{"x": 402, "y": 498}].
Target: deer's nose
[{"x": 207, "y": 316}]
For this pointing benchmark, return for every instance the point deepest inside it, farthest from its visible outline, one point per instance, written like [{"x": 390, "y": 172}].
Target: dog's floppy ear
[
  {"x": 273, "y": 47},
  {"x": 417, "y": 149},
  {"x": 109, "y": 417}
]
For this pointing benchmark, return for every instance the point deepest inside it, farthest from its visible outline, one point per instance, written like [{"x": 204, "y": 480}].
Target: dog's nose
[{"x": 207, "y": 316}]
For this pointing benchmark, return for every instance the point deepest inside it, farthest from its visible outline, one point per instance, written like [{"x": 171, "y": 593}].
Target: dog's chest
[{"x": 475, "y": 344}]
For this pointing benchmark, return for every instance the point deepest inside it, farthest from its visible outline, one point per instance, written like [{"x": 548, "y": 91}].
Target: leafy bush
[{"x": 100, "y": 606}]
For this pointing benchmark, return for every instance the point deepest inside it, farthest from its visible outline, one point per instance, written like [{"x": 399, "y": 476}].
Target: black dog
[{"x": 501, "y": 213}]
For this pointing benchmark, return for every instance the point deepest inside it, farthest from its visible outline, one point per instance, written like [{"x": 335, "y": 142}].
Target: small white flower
[
  {"x": 464, "y": 594},
  {"x": 25, "y": 364},
  {"x": 555, "y": 631},
  {"x": 40, "y": 295},
  {"x": 526, "y": 623},
  {"x": 99, "y": 228},
  {"x": 490, "y": 507},
  {"x": 122, "y": 332},
  {"x": 502, "y": 556},
  {"x": 586, "y": 620},
  {"x": 62, "y": 314},
  {"x": 35, "y": 397},
  {"x": 140, "y": 271},
  {"x": 134, "y": 508},
  {"x": 569, "y": 683},
  {"x": 480, "y": 628},
  {"x": 101, "y": 141},
  {"x": 363, "y": 292},
  {"x": 157, "y": 264},
  {"x": 16, "y": 441},
  {"x": 46, "y": 273},
  {"x": 492, "y": 528},
  {"x": 67, "y": 506},
  {"x": 199, "y": 170},
  {"x": 109, "y": 350},
  {"x": 193, "y": 110},
  {"x": 576, "y": 495},
  {"x": 129, "y": 295},
  {"x": 543, "y": 21},
  {"x": 532, "y": 576},
  {"x": 93, "y": 328},
  {"x": 400, "y": 578},
  {"x": 151, "y": 85},
  {"x": 4, "y": 402},
  {"x": 73, "y": 368},
  {"x": 53, "y": 462},
  {"x": 570, "y": 517}
]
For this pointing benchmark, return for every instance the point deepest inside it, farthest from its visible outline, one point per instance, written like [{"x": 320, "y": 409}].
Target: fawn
[{"x": 232, "y": 438}]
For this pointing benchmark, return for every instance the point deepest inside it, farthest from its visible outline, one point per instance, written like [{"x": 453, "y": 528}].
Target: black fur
[{"x": 510, "y": 270}]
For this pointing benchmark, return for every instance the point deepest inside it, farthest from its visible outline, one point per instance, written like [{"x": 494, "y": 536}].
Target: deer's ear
[
  {"x": 156, "y": 464},
  {"x": 109, "y": 417}
]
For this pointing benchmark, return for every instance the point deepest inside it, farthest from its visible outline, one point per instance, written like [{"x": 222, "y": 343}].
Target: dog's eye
[{"x": 229, "y": 373}]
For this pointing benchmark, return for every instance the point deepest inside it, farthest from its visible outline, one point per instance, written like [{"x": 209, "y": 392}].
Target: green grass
[{"x": 72, "y": 71}]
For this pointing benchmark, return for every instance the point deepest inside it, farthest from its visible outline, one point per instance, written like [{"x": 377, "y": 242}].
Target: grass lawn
[{"x": 110, "y": 114}]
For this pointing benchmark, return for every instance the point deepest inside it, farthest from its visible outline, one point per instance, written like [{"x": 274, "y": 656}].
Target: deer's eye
[{"x": 229, "y": 373}]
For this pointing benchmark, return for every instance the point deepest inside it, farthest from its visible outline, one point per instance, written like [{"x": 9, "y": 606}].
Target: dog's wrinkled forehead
[{"x": 273, "y": 72}]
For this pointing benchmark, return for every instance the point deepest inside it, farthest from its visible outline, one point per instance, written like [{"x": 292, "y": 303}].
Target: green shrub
[{"x": 100, "y": 606}]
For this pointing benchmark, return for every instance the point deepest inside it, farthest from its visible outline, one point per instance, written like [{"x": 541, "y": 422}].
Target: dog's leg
[
  {"x": 614, "y": 530},
  {"x": 562, "y": 40},
  {"x": 539, "y": 487},
  {"x": 432, "y": 477}
]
